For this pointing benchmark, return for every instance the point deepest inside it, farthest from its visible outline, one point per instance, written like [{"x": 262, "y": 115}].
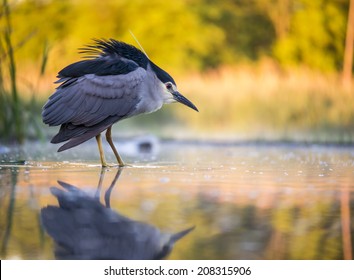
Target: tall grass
[
  {"x": 11, "y": 105},
  {"x": 265, "y": 102},
  {"x": 17, "y": 117}
]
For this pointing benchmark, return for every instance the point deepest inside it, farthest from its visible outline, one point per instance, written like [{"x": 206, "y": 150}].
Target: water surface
[{"x": 246, "y": 201}]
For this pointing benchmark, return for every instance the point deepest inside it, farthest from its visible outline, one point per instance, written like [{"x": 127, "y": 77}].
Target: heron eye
[{"x": 168, "y": 86}]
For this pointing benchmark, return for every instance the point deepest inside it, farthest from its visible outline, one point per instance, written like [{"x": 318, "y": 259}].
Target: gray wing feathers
[{"x": 92, "y": 98}]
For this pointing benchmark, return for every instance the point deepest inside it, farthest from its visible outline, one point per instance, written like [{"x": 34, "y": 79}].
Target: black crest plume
[
  {"x": 111, "y": 57},
  {"x": 111, "y": 47}
]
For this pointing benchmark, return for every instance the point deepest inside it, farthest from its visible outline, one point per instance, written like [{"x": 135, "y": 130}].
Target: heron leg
[
  {"x": 110, "y": 142},
  {"x": 100, "y": 149},
  {"x": 107, "y": 195},
  {"x": 100, "y": 182}
]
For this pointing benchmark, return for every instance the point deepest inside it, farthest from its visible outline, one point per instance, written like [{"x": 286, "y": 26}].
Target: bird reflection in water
[{"x": 84, "y": 228}]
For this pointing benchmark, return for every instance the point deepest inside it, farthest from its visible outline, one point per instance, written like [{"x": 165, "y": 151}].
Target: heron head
[
  {"x": 173, "y": 95},
  {"x": 167, "y": 242},
  {"x": 169, "y": 87}
]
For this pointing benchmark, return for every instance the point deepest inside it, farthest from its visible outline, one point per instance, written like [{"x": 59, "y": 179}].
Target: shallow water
[{"x": 246, "y": 201}]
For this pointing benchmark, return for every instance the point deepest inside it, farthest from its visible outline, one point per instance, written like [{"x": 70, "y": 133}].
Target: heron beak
[
  {"x": 177, "y": 236},
  {"x": 181, "y": 99}
]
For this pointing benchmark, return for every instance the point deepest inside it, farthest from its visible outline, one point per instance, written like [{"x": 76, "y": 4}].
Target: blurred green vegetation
[
  {"x": 18, "y": 117},
  {"x": 195, "y": 34},
  {"x": 190, "y": 39}
]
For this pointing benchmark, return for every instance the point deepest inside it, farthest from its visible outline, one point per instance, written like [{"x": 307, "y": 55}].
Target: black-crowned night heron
[
  {"x": 83, "y": 228},
  {"x": 116, "y": 82}
]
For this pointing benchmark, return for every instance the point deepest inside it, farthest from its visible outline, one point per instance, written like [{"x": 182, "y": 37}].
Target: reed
[{"x": 18, "y": 118}]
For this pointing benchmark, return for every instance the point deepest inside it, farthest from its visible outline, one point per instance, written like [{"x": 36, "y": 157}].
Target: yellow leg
[
  {"x": 107, "y": 195},
  {"x": 100, "y": 149},
  {"x": 110, "y": 142},
  {"x": 100, "y": 182}
]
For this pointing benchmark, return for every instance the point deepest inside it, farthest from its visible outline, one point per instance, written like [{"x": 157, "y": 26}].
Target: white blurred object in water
[
  {"x": 4, "y": 150},
  {"x": 147, "y": 144}
]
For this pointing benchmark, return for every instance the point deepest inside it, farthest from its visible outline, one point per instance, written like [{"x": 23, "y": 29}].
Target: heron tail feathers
[
  {"x": 80, "y": 139},
  {"x": 75, "y": 136}
]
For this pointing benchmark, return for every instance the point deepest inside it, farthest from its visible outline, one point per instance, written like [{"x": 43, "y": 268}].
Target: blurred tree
[
  {"x": 190, "y": 34},
  {"x": 349, "y": 47},
  {"x": 316, "y": 35},
  {"x": 248, "y": 30},
  {"x": 37, "y": 23},
  {"x": 279, "y": 12},
  {"x": 173, "y": 35}
]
